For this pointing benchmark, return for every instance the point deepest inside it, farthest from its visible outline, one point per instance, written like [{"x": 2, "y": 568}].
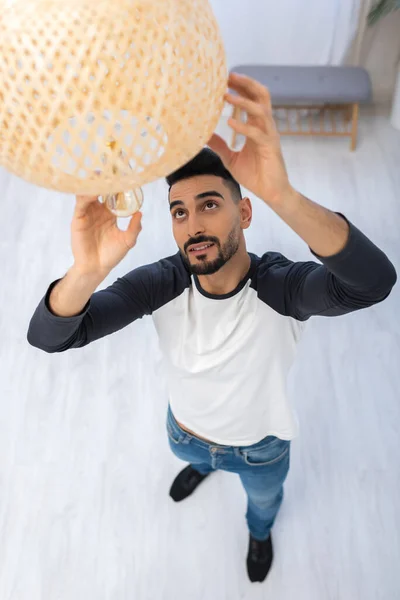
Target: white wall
[
  {"x": 312, "y": 32},
  {"x": 287, "y": 31}
]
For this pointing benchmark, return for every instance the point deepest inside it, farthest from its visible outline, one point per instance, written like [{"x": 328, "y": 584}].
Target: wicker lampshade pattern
[{"x": 99, "y": 96}]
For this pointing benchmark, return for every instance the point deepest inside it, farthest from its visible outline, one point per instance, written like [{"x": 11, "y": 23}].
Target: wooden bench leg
[
  {"x": 348, "y": 113},
  {"x": 235, "y": 115},
  {"x": 354, "y": 128}
]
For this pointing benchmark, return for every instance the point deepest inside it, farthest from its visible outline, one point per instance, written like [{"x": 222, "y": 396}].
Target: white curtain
[{"x": 287, "y": 31}]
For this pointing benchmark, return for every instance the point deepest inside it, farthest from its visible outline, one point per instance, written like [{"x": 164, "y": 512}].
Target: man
[{"x": 228, "y": 321}]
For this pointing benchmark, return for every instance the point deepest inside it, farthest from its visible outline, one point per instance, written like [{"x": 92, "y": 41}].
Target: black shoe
[
  {"x": 185, "y": 483},
  {"x": 259, "y": 558}
]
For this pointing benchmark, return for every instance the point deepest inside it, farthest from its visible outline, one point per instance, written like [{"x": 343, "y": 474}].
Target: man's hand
[
  {"x": 98, "y": 244},
  {"x": 259, "y": 166}
]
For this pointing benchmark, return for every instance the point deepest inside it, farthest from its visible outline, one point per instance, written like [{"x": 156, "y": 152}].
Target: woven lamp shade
[{"x": 101, "y": 96}]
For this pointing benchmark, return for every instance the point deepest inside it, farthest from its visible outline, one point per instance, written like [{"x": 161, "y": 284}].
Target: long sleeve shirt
[{"x": 228, "y": 356}]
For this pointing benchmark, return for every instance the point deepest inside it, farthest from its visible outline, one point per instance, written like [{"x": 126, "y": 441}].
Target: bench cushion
[{"x": 311, "y": 84}]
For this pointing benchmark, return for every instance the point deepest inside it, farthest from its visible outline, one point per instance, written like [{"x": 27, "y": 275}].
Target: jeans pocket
[{"x": 266, "y": 455}]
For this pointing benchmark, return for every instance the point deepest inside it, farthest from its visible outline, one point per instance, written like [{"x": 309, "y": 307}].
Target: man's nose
[{"x": 195, "y": 226}]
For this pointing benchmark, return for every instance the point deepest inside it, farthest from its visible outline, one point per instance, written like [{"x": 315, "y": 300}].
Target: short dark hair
[{"x": 206, "y": 162}]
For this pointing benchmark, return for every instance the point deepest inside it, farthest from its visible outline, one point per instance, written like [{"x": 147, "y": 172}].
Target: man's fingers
[
  {"x": 250, "y": 88},
  {"x": 251, "y": 107},
  {"x": 133, "y": 230},
  {"x": 255, "y": 99},
  {"x": 249, "y": 131},
  {"x": 256, "y": 112},
  {"x": 82, "y": 204},
  {"x": 85, "y": 200}
]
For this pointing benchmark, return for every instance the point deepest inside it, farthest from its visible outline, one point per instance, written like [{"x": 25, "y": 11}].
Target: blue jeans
[{"x": 262, "y": 469}]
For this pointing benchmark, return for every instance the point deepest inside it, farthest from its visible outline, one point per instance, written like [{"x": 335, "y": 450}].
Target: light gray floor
[{"x": 85, "y": 466}]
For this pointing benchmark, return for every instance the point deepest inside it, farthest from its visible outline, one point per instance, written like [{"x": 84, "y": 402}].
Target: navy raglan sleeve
[
  {"x": 357, "y": 277},
  {"x": 129, "y": 298}
]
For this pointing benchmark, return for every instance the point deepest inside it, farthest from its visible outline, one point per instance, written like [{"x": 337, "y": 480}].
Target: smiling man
[
  {"x": 205, "y": 254},
  {"x": 208, "y": 243},
  {"x": 228, "y": 321}
]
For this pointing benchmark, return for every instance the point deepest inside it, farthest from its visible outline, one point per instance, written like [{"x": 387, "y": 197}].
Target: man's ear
[{"x": 246, "y": 212}]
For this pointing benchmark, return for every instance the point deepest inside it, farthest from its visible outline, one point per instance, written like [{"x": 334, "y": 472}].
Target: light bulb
[{"x": 124, "y": 204}]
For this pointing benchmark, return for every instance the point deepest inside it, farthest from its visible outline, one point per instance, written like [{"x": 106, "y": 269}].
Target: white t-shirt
[{"x": 227, "y": 361}]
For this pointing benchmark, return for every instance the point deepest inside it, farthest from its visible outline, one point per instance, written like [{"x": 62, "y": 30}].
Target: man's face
[{"x": 207, "y": 223}]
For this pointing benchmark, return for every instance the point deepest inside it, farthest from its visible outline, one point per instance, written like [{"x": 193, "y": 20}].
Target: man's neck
[{"x": 229, "y": 276}]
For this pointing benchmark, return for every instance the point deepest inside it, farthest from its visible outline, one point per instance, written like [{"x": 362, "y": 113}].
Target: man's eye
[
  {"x": 179, "y": 214},
  {"x": 211, "y": 204}
]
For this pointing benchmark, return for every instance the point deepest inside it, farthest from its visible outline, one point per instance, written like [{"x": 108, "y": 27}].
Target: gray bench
[{"x": 322, "y": 94}]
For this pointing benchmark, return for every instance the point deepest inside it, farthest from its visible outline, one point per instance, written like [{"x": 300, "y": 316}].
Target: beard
[{"x": 225, "y": 253}]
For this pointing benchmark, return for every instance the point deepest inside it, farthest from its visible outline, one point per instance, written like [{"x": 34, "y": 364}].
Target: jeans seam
[{"x": 171, "y": 432}]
